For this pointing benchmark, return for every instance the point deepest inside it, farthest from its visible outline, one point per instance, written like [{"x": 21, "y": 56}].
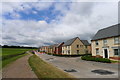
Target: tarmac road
[{"x": 83, "y": 68}]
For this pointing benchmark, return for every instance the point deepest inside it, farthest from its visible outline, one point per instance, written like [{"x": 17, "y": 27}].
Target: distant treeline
[{"x": 7, "y": 46}]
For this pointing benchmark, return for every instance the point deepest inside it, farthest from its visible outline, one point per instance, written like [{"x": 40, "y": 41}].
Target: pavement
[
  {"x": 83, "y": 68},
  {"x": 19, "y": 69}
]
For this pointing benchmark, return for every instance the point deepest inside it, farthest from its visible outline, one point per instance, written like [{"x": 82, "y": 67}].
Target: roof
[
  {"x": 85, "y": 42},
  {"x": 111, "y": 31},
  {"x": 51, "y": 46},
  {"x": 69, "y": 42},
  {"x": 59, "y": 44}
]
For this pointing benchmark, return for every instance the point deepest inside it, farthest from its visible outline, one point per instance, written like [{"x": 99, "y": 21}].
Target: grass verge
[
  {"x": 46, "y": 71},
  {"x": 112, "y": 61},
  {"x": 10, "y": 60}
]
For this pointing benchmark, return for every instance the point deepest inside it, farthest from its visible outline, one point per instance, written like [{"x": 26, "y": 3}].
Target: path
[{"x": 19, "y": 69}]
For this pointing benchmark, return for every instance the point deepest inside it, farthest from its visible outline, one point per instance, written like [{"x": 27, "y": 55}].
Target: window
[
  {"x": 116, "y": 51},
  {"x": 63, "y": 51},
  {"x": 77, "y": 46},
  {"x": 68, "y": 47},
  {"x": 69, "y": 51},
  {"x": 97, "y": 51},
  {"x": 105, "y": 41},
  {"x": 81, "y": 45},
  {"x": 116, "y": 40},
  {"x": 96, "y": 42},
  {"x": 77, "y": 51}
]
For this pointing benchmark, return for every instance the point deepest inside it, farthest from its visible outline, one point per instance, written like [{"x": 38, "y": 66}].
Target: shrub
[
  {"x": 49, "y": 53},
  {"x": 90, "y": 58}
]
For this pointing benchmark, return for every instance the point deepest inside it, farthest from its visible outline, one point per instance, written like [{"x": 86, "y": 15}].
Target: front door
[{"x": 105, "y": 53}]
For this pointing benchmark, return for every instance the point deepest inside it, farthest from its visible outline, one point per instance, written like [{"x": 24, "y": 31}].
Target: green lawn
[
  {"x": 46, "y": 71},
  {"x": 11, "y": 54}
]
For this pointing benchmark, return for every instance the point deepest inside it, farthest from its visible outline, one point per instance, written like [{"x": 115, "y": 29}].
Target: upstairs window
[
  {"x": 105, "y": 41},
  {"x": 77, "y": 46},
  {"x": 116, "y": 40},
  {"x": 81, "y": 46},
  {"x": 96, "y": 42},
  {"x": 68, "y": 47}
]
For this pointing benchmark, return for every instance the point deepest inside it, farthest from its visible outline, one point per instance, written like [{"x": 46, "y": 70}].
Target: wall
[
  {"x": 110, "y": 44},
  {"x": 74, "y": 47}
]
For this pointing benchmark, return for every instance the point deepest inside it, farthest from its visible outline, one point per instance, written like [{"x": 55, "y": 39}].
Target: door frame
[{"x": 104, "y": 52}]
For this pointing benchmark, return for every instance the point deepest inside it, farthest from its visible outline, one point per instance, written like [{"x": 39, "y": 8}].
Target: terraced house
[
  {"x": 51, "y": 48},
  {"x": 58, "y": 48},
  {"x": 44, "y": 48},
  {"x": 106, "y": 42},
  {"x": 76, "y": 46}
]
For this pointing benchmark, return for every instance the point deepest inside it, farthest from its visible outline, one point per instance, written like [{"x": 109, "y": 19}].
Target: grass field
[
  {"x": 13, "y": 51},
  {"x": 46, "y": 71},
  {"x": 11, "y": 54}
]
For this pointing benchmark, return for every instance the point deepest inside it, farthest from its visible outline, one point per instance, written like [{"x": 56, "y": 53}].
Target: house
[
  {"x": 58, "y": 48},
  {"x": 51, "y": 48},
  {"x": 87, "y": 46},
  {"x": 75, "y": 46},
  {"x": 106, "y": 43},
  {"x": 44, "y": 49}
]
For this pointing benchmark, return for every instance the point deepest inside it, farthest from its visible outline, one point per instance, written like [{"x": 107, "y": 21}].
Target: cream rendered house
[
  {"x": 75, "y": 46},
  {"x": 106, "y": 43}
]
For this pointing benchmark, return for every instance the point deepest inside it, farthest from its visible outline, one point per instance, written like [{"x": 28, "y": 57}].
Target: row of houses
[
  {"x": 105, "y": 44},
  {"x": 74, "y": 46}
]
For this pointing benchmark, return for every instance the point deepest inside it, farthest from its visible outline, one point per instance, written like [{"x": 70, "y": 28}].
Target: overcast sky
[{"x": 45, "y": 23}]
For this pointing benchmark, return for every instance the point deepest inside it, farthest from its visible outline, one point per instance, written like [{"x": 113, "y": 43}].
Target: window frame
[
  {"x": 97, "y": 52},
  {"x": 96, "y": 43},
  {"x": 77, "y": 46},
  {"x": 118, "y": 40},
  {"x": 68, "y": 51},
  {"x": 118, "y": 50},
  {"x": 104, "y": 41}
]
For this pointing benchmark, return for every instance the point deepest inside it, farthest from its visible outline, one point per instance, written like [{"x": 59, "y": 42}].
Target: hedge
[{"x": 90, "y": 58}]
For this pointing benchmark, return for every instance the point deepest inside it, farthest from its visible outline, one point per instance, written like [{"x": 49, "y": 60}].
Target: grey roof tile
[
  {"x": 107, "y": 32},
  {"x": 69, "y": 42},
  {"x": 85, "y": 42}
]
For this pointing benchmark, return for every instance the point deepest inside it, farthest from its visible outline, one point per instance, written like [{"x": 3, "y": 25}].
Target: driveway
[{"x": 83, "y": 68}]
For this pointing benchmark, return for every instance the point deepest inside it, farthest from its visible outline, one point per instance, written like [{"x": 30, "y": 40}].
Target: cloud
[
  {"x": 78, "y": 19},
  {"x": 26, "y": 7}
]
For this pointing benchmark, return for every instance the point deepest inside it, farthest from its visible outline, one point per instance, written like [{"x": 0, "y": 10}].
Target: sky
[{"x": 45, "y": 23}]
